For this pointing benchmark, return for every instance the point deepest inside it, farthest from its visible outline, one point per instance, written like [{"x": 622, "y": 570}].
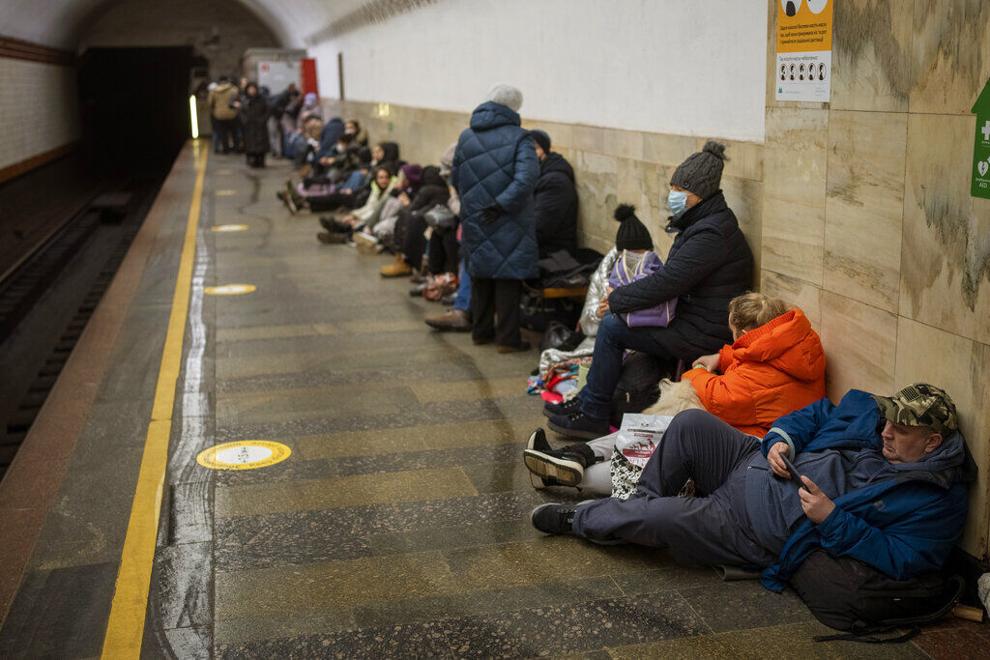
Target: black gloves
[{"x": 491, "y": 214}]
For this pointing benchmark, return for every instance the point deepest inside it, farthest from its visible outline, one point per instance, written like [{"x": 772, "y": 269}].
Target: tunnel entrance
[{"x": 135, "y": 106}]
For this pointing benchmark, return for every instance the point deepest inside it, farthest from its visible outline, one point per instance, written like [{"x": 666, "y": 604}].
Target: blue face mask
[{"x": 677, "y": 201}]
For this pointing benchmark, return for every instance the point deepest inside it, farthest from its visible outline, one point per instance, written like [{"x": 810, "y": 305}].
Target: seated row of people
[{"x": 755, "y": 467}]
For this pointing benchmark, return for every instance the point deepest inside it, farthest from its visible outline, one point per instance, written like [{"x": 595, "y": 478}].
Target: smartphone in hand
[{"x": 795, "y": 475}]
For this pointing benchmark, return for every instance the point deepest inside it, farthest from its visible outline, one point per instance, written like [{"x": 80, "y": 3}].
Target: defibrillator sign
[{"x": 981, "y": 146}]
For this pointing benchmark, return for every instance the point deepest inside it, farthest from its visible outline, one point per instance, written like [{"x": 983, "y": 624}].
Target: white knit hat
[{"x": 506, "y": 95}]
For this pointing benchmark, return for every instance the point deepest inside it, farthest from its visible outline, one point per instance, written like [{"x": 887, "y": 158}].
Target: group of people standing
[{"x": 247, "y": 119}]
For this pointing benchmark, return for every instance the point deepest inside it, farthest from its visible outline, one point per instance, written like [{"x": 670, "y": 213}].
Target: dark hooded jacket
[
  {"x": 495, "y": 168},
  {"x": 708, "y": 265},
  {"x": 556, "y": 206},
  {"x": 331, "y": 133},
  {"x": 254, "y": 115},
  {"x": 432, "y": 191},
  {"x": 391, "y": 150}
]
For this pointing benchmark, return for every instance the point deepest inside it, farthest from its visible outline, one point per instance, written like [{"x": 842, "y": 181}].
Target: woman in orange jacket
[{"x": 775, "y": 366}]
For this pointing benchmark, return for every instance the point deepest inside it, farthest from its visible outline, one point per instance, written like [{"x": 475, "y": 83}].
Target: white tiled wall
[{"x": 38, "y": 109}]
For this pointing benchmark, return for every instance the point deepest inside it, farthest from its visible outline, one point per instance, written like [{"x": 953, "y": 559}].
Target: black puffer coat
[
  {"x": 709, "y": 264},
  {"x": 254, "y": 114},
  {"x": 556, "y": 206}
]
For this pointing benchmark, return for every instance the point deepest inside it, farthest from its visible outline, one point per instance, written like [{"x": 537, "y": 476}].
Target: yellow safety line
[{"x": 125, "y": 629}]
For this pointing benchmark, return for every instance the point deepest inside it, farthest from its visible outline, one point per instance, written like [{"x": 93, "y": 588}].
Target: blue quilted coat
[{"x": 495, "y": 165}]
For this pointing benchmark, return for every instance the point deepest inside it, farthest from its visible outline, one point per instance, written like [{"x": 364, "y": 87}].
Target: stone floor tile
[
  {"x": 579, "y": 627},
  {"x": 426, "y": 640},
  {"x": 741, "y": 605},
  {"x": 279, "y": 497}
]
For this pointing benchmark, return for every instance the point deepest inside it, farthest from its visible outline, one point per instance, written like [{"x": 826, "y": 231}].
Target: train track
[{"x": 23, "y": 293}]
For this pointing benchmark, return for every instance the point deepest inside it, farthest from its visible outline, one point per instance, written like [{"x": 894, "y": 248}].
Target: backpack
[
  {"x": 846, "y": 594},
  {"x": 639, "y": 385}
]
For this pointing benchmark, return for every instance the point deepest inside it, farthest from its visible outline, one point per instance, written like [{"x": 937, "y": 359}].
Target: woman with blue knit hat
[{"x": 708, "y": 264}]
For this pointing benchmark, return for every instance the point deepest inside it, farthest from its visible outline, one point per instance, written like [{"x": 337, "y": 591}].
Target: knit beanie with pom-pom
[
  {"x": 632, "y": 234},
  {"x": 701, "y": 173}
]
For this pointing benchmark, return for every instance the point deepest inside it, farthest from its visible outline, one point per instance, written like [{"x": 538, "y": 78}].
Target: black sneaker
[
  {"x": 563, "y": 408},
  {"x": 559, "y": 467},
  {"x": 578, "y": 425},
  {"x": 538, "y": 441},
  {"x": 553, "y": 518}
]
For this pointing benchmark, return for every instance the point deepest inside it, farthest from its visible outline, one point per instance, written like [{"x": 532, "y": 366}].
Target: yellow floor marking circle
[
  {"x": 226, "y": 193},
  {"x": 223, "y": 229},
  {"x": 229, "y": 289},
  {"x": 243, "y": 455}
]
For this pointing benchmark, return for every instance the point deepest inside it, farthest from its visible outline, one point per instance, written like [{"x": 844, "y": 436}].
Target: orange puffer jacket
[{"x": 767, "y": 373}]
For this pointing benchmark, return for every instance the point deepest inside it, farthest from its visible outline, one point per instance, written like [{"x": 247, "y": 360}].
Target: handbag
[
  {"x": 440, "y": 217},
  {"x": 624, "y": 272}
]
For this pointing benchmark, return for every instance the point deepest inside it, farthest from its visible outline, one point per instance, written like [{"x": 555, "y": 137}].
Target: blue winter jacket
[
  {"x": 903, "y": 526},
  {"x": 495, "y": 166}
]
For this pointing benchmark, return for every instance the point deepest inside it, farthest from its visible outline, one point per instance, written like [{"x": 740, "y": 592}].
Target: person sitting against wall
[
  {"x": 310, "y": 108},
  {"x": 353, "y": 128},
  {"x": 775, "y": 365},
  {"x": 556, "y": 200},
  {"x": 375, "y": 239},
  {"x": 386, "y": 152},
  {"x": 408, "y": 241},
  {"x": 879, "y": 479},
  {"x": 708, "y": 264},
  {"x": 340, "y": 229},
  {"x": 306, "y": 160},
  {"x": 495, "y": 172}
]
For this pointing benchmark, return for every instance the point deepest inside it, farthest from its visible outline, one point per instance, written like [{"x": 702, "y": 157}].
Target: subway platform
[{"x": 390, "y": 520}]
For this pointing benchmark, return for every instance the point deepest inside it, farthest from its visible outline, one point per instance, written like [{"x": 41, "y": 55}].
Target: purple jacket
[{"x": 623, "y": 273}]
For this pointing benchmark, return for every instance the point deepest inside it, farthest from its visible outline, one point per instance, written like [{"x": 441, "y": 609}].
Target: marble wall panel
[
  {"x": 871, "y": 55},
  {"x": 864, "y": 205},
  {"x": 597, "y": 186},
  {"x": 745, "y": 198},
  {"x": 611, "y": 166},
  {"x": 860, "y": 343},
  {"x": 794, "y": 166},
  {"x": 668, "y": 150},
  {"x": 945, "y": 253},
  {"x": 951, "y": 54},
  {"x": 795, "y": 292},
  {"x": 960, "y": 366},
  {"x": 745, "y": 159}
]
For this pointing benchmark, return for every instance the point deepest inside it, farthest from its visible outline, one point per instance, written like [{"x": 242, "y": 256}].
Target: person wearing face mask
[{"x": 709, "y": 264}]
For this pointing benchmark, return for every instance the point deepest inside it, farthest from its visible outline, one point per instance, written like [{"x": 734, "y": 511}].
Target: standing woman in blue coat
[{"x": 495, "y": 171}]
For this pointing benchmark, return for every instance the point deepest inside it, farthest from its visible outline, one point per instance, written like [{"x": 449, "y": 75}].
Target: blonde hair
[{"x": 751, "y": 310}]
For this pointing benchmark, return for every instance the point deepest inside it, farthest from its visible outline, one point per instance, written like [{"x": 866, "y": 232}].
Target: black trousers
[
  {"x": 226, "y": 131},
  {"x": 413, "y": 244},
  {"x": 495, "y": 310},
  {"x": 442, "y": 252},
  {"x": 331, "y": 202}
]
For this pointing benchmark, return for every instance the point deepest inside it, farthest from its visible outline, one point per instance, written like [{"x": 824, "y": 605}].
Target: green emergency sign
[{"x": 981, "y": 145}]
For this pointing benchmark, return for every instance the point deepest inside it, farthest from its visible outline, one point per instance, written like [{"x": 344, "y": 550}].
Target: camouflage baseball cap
[{"x": 920, "y": 404}]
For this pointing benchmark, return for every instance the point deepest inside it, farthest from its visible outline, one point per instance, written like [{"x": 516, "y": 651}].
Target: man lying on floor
[{"x": 883, "y": 480}]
